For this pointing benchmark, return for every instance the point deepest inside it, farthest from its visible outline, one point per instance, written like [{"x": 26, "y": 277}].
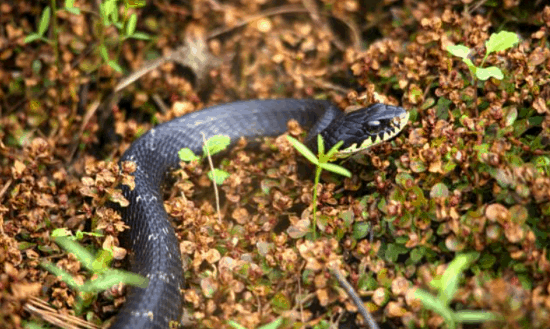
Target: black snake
[{"x": 152, "y": 239}]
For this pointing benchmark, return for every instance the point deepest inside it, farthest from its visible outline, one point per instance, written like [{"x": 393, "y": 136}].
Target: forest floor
[{"x": 468, "y": 179}]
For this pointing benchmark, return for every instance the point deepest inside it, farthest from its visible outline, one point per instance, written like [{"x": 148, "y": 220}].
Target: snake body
[{"x": 152, "y": 238}]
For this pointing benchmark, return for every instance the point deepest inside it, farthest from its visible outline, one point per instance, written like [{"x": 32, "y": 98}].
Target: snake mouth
[{"x": 379, "y": 124}]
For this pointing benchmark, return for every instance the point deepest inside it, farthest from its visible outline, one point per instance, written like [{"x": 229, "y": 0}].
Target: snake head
[{"x": 365, "y": 128}]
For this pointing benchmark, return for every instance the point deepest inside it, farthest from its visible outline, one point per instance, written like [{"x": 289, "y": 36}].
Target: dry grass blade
[{"x": 43, "y": 310}]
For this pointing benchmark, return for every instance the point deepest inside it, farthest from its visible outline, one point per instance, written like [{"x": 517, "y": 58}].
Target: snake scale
[{"x": 151, "y": 237}]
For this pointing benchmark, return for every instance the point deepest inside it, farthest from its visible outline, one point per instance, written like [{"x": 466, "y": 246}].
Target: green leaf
[
  {"x": 219, "y": 175},
  {"x": 115, "y": 66},
  {"x": 140, "y": 36},
  {"x": 430, "y": 302},
  {"x": 73, "y": 10},
  {"x": 131, "y": 25},
  {"x": 102, "y": 260},
  {"x": 32, "y": 37},
  {"x": 81, "y": 253},
  {"x": 320, "y": 144},
  {"x": 103, "y": 13},
  {"x": 335, "y": 169},
  {"x": 470, "y": 64},
  {"x": 417, "y": 254},
  {"x": 501, "y": 41},
  {"x": 235, "y": 324},
  {"x": 44, "y": 21},
  {"x": 216, "y": 144},
  {"x": 69, "y": 6},
  {"x": 79, "y": 235},
  {"x": 333, "y": 150},
  {"x": 281, "y": 302},
  {"x": 62, "y": 232},
  {"x": 439, "y": 190},
  {"x": 135, "y": 3},
  {"x": 466, "y": 316},
  {"x": 459, "y": 51},
  {"x": 103, "y": 52},
  {"x": 109, "y": 12},
  {"x": 361, "y": 229},
  {"x": 65, "y": 277},
  {"x": 451, "y": 277},
  {"x": 273, "y": 325},
  {"x": 111, "y": 278},
  {"x": 511, "y": 116},
  {"x": 303, "y": 150},
  {"x": 489, "y": 72},
  {"x": 185, "y": 154}
]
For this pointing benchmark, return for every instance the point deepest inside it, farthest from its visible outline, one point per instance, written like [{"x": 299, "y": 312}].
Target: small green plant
[
  {"x": 497, "y": 42},
  {"x": 213, "y": 145},
  {"x": 447, "y": 287},
  {"x": 272, "y": 325},
  {"x": 321, "y": 162},
  {"x": 42, "y": 27},
  {"x": 108, "y": 12},
  {"x": 78, "y": 235},
  {"x": 126, "y": 26},
  {"x": 104, "y": 276}
]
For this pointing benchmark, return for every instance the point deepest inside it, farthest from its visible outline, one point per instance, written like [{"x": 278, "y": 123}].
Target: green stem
[
  {"x": 475, "y": 97},
  {"x": 122, "y": 32},
  {"x": 55, "y": 41},
  {"x": 318, "y": 171}
]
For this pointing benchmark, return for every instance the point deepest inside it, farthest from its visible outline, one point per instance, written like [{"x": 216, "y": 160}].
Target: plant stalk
[{"x": 318, "y": 171}]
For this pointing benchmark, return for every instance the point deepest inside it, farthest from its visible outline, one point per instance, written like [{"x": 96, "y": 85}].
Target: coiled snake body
[{"x": 152, "y": 238}]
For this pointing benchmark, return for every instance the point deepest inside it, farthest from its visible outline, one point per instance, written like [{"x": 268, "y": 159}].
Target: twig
[
  {"x": 325, "y": 84},
  {"x": 160, "y": 103},
  {"x": 316, "y": 16},
  {"x": 475, "y": 7},
  {"x": 87, "y": 117},
  {"x": 311, "y": 6},
  {"x": 5, "y": 188},
  {"x": 290, "y": 9},
  {"x": 356, "y": 300},
  {"x": 213, "y": 178},
  {"x": 146, "y": 68},
  {"x": 44, "y": 311}
]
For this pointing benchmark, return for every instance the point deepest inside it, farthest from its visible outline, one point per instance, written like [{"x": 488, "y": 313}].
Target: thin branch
[
  {"x": 356, "y": 300},
  {"x": 213, "y": 178},
  {"x": 44, "y": 311},
  {"x": 290, "y": 9}
]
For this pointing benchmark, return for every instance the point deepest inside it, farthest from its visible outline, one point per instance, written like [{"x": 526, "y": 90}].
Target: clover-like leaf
[
  {"x": 218, "y": 176},
  {"x": 459, "y": 50},
  {"x": 484, "y": 73},
  {"x": 185, "y": 154},
  {"x": 501, "y": 41},
  {"x": 216, "y": 144}
]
